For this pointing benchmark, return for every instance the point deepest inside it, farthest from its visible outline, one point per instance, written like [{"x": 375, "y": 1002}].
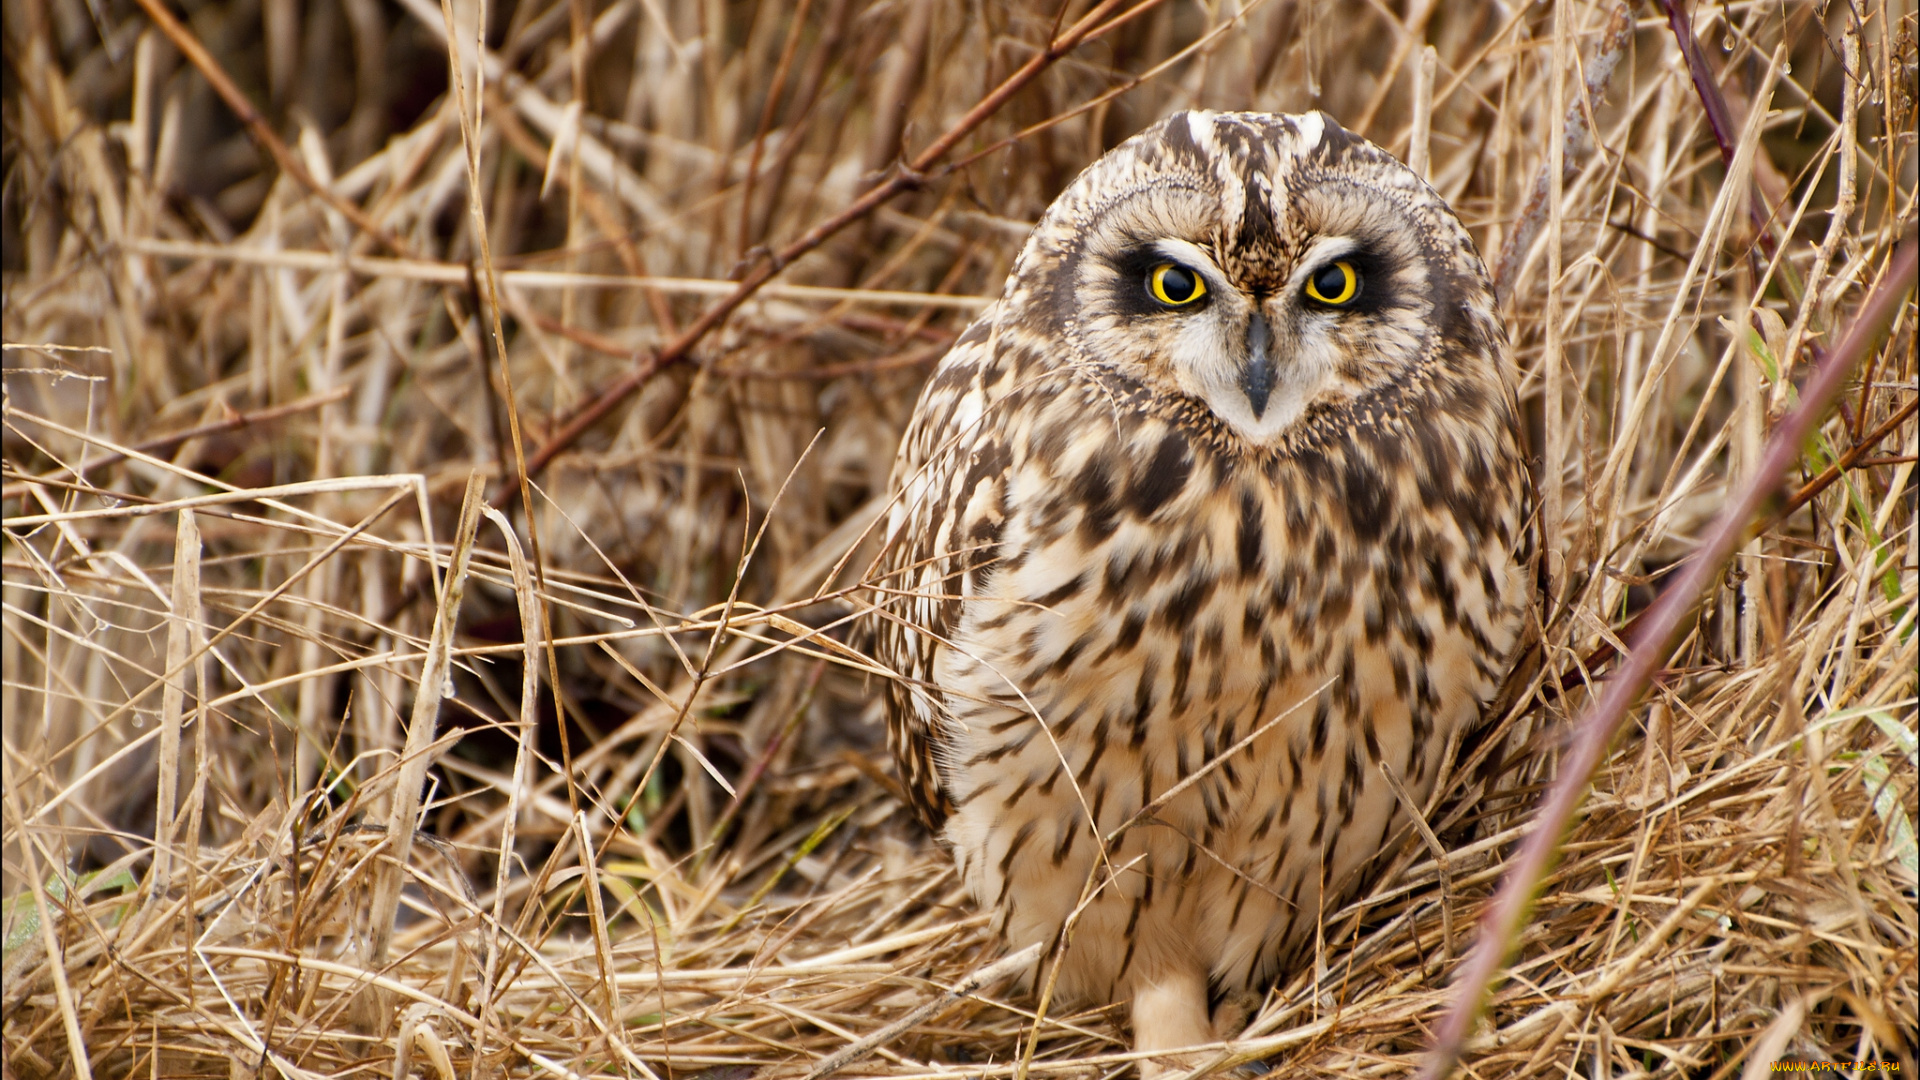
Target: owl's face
[{"x": 1265, "y": 266}]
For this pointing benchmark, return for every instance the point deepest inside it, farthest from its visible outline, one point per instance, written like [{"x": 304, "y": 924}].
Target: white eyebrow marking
[
  {"x": 1312, "y": 127},
  {"x": 1200, "y": 126},
  {"x": 1323, "y": 250},
  {"x": 1194, "y": 258}
]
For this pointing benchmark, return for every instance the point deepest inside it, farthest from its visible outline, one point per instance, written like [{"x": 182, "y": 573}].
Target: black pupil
[
  {"x": 1177, "y": 283},
  {"x": 1330, "y": 282}
]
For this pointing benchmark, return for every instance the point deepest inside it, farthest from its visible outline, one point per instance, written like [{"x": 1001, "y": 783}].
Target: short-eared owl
[{"x": 1219, "y": 512}]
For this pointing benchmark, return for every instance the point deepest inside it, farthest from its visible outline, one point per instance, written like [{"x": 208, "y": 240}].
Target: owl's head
[{"x": 1269, "y": 267}]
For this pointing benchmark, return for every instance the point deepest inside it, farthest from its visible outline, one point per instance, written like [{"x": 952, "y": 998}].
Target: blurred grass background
[{"x": 726, "y": 882}]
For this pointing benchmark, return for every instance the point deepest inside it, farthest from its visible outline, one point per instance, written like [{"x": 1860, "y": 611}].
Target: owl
[{"x": 1216, "y": 516}]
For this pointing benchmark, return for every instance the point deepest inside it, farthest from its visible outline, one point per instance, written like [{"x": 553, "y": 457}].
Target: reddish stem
[{"x": 1504, "y": 917}]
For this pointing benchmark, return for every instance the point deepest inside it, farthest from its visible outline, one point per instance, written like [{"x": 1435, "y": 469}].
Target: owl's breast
[{"x": 1155, "y": 600}]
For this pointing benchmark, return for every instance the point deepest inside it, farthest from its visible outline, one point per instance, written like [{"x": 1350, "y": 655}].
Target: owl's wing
[{"x": 951, "y": 462}]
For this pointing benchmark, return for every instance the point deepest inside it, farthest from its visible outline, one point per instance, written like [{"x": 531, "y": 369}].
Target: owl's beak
[{"x": 1257, "y": 379}]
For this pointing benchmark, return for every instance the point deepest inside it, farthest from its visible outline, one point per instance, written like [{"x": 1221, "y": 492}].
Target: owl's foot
[{"x": 1170, "y": 1013}]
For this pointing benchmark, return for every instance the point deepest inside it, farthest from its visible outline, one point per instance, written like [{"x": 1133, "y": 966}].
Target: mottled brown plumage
[{"x": 1257, "y": 524}]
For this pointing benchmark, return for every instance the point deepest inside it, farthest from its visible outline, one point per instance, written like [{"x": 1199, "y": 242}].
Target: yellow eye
[
  {"x": 1335, "y": 284},
  {"x": 1175, "y": 285}
]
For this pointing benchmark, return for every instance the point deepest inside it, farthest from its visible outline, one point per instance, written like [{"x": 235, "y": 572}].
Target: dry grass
[{"x": 239, "y": 426}]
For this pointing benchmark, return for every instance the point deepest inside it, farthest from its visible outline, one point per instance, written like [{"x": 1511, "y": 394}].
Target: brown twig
[
  {"x": 602, "y": 344},
  {"x": 162, "y": 444},
  {"x": 257, "y": 126},
  {"x": 1504, "y": 917},
  {"x": 1853, "y": 457},
  {"x": 903, "y": 178},
  {"x": 912, "y": 358},
  {"x": 599, "y": 343}
]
